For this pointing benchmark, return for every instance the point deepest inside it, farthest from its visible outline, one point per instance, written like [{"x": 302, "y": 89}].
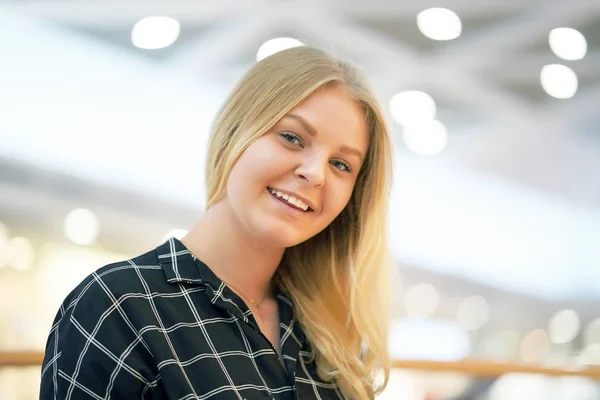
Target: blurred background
[{"x": 105, "y": 109}]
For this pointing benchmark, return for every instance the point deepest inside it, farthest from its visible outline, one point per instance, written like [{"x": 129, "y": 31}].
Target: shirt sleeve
[{"x": 94, "y": 350}]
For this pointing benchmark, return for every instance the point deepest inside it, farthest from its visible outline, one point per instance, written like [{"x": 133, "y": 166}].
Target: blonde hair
[{"x": 338, "y": 279}]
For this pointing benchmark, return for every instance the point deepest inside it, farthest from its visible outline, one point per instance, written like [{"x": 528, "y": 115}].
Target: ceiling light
[
  {"x": 412, "y": 107},
  {"x": 559, "y": 81},
  {"x": 591, "y": 334},
  {"x": 81, "y": 227},
  {"x": 564, "y": 326},
  {"x": 473, "y": 313},
  {"x": 275, "y": 45},
  {"x": 19, "y": 254},
  {"x": 421, "y": 301},
  {"x": 535, "y": 346},
  {"x": 567, "y": 43},
  {"x": 426, "y": 139},
  {"x": 155, "y": 32},
  {"x": 439, "y": 24}
]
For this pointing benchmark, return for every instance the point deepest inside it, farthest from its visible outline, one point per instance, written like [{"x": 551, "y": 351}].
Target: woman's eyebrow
[
  {"x": 305, "y": 124},
  {"x": 353, "y": 151}
]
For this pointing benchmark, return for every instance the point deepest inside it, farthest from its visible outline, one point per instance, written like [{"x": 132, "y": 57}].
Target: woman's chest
[
  {"x": 220, "y": 358},
  {"x": 232, "y": 361},
  {"x": 221, "y": 353}
]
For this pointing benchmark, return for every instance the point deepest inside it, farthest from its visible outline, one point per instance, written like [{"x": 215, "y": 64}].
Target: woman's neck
[{"x": 236, "y": 257}]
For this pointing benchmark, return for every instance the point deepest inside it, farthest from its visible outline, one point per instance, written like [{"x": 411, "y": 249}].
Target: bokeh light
[{"x": 155, "y": 32}]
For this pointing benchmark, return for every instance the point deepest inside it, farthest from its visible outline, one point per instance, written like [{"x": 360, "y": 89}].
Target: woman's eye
[
  {"x": 341, "y": 165},
  {"x": 291, "y": 137}
]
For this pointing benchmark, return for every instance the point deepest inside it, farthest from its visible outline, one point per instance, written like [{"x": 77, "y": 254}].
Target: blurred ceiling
[
  {"x": 488, "y": 79},
  {"x": 513, "y": 201}
]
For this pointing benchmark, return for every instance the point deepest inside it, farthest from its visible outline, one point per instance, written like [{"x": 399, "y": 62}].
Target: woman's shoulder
[
  {"x": 108, "y": 309},
  {"x": 159, "y": 271},
  {"x": 137, "y": 275}
]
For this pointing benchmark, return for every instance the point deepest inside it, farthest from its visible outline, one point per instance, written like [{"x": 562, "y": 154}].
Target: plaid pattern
[{"x": 163, "y": 326}]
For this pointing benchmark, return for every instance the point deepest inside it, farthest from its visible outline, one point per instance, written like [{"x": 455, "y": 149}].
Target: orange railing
[{"x": 477, "y": 368}]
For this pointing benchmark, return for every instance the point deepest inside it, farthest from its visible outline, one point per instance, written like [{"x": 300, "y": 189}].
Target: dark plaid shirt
[{"x": 163, "y": 326}]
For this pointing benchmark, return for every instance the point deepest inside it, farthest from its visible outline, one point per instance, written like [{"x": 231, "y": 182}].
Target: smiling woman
[
  {"x": 280, "y": 290},
  {"x": 312, "y": 169}
]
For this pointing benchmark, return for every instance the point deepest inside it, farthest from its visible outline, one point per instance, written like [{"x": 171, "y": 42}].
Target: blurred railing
[{"x": 475, "y": 368}]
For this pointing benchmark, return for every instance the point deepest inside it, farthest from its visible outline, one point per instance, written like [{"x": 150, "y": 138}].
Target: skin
[{"x": 320, "y": 167}]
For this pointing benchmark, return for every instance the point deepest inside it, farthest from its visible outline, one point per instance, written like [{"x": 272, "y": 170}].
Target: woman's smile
[{"x": 290, "y": 201}]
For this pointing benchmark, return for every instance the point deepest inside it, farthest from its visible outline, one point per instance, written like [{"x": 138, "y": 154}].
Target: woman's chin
[{"x": 281, "y": 236}]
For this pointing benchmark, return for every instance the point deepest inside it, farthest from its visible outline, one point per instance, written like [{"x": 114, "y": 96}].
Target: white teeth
[
  {"x": 290, "y": 199},
  {"x": 299, "y": 203}
]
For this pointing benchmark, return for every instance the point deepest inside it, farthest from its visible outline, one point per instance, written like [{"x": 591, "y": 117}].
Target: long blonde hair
[{"x": 338, "y": 279}]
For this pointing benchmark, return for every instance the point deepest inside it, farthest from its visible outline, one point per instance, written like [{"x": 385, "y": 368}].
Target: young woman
[{"x": 280, "y": 290}]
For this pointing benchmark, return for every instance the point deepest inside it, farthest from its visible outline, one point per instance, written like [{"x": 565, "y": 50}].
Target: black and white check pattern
[{"x": 163, "y": 326}]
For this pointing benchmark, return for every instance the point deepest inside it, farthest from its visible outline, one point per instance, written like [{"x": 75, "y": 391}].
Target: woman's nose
[{"x": 313, "y": 170}]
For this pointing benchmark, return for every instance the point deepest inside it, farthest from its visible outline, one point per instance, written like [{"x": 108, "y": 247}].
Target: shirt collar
[
  {"x": 178, "y": 264},
  {"x": 181, "y": 266}
]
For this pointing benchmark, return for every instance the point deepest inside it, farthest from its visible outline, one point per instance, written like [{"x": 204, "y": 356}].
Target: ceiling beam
[
  {"x": 526, "y": 67},
  {"x": 210, "y": 52},
  {"x": 405, "y": 68},
  {"x": 527, "y": 28},
  {"x": 576, "y": 109},
  {"x": 409, "y": 9},
  {"x": 123, "y": 14},
  {"x": 393, "y": 65}
]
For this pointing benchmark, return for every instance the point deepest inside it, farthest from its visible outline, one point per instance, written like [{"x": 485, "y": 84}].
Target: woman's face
[{"x": 293, "y": 181}]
